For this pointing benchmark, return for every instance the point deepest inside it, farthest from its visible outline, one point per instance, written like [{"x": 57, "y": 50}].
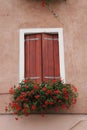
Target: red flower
[
  {"x": 75, "y": 89},
  {"x": 26, "y": 109},
  {"x": 54, "y": 81},
  {"x": 66, "y": 97},
  {"x": 18, "y": 98},
  {"x": 32, "y": 91},
  {"x": 37, "y": 96},
  {"x": 54, "y": 97},
  {"x": 26, "y": 80},
  {"x": 63, "y": 106},
  {"x": 18, "y": 108},
  {"x": 21, "y": 97},
  {"x": 36, "y": 87},
  {"x": 26, "y": 99},
  {"x": 16, "y": 118},
  {"x": 15, "y": 105},
  {"x": 43, "y": 106},
  {"x": 59, "y": 101},
  {"x": 24, "y": 94},
  {"x": 64, "y": 90},
  {"x": 26, "y": 86},
  {"x": 44, "y": 88},
  {"x": 18, "y": 87},
  {"x": 51, "y": 102},
  {"x": 56, "y": 91},
  {"x": 48, "y": 92},
  {"x": 33, "y": 107},
  {"x": 46, "y": 103},
  {"x": 43, "y": 3}
]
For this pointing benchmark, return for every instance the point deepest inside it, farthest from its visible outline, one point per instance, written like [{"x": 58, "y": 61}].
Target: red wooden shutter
[
  {"x": 33, "y": 66},
  {"x": 50, "y": 54}
]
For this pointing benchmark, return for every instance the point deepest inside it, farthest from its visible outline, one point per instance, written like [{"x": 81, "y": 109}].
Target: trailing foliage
[{"x": 30, "y": 97}]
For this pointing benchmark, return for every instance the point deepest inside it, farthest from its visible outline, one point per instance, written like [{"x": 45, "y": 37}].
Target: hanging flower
[{"x": 30, "y": 97}]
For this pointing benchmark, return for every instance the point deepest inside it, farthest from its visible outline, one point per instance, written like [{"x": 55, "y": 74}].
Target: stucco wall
[
  {"x": 71, "y": 16},
  {"x": 49, "y": 122}
]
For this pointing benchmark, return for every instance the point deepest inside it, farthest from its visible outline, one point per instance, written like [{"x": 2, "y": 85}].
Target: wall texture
[{"x": 70, "y": 15}]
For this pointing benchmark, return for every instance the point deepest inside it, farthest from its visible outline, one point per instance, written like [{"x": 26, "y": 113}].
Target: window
[{"x": 41, "y": 54}]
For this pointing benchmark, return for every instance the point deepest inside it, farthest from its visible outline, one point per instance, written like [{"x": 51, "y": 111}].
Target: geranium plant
[{"x": 31, "y": 97}]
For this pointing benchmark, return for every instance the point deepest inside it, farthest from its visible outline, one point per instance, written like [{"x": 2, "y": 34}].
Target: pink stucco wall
[{"x": 71, "y": 16}]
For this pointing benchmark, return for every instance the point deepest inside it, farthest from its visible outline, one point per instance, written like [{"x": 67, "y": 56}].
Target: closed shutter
[
  {"x": 33, "y": 68},
  {"x": 42, "y": 57},
  {"x": 50, "y": 54}
]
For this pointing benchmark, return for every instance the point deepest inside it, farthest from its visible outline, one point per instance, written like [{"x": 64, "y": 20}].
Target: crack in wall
[
  {"x": 76, "y": 124},
  {"x": 54, "y": 13}
]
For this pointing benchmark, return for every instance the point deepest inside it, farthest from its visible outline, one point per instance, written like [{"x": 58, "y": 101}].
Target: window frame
[{"x": 58, "y": 31}]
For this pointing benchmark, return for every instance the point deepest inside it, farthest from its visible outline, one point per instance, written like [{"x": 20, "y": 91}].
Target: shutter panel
[
  {"x": 50, "y": 54},
  {"x": 33, "y": 57}
]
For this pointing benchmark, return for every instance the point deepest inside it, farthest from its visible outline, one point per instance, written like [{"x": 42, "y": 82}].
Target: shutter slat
[
  {"x": 31, "y": 39},
  {"x": 50, "y": 77},
  {"x": 36, "y": 77},
  {"x": 48, "y": 38}
]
